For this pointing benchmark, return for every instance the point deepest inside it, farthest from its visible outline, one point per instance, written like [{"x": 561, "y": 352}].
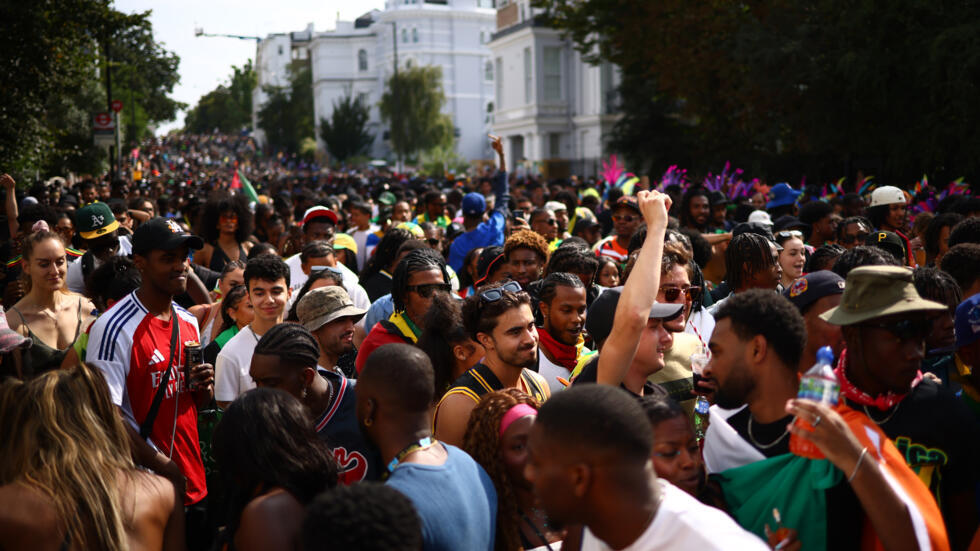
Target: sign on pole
[
  {"x": 117, "y": 105},
  {"x": 103, "y": 129}
]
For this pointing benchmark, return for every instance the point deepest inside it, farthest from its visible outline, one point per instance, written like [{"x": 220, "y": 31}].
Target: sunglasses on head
[
  {"x": 493, "y": 295},
  {"x": 624, "y": 218},
  {"x": 673, "y": 293},
  {"x": 786, "y": 234},
  {"x": 905, "y": 330},
  {"x": 851, "y": 238},
  {"x": 429, "y": 289}
]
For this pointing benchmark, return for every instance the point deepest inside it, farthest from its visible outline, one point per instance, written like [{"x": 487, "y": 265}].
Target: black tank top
[{"x": 40, "y": 357}]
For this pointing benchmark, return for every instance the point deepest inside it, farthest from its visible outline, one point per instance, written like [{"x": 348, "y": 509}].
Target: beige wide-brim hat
[
  {"x": 877, "y": 291},
  {"x": 324, "y": 305}
]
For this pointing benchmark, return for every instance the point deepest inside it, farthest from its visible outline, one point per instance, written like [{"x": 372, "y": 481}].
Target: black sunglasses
[
  {"x": 628, "y": 218},
  {"x": 433, "y": 242},
  {"x": 851, "y": 238},
  {"x": 673, "y": 293},
  {"x": 493, "y": 295},
  {"x": 429, "y": 289},
  {"x": 905, "y": 330}
]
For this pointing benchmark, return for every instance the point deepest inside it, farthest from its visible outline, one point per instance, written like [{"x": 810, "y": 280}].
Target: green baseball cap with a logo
[
  {"x": 95, "y": 220},
  {"x": 878, "y": 291}
]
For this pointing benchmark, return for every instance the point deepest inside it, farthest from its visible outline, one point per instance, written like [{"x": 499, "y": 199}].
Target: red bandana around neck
[
  {"x": 561, "y": 354},
  {"x": 882, "y": 402}
]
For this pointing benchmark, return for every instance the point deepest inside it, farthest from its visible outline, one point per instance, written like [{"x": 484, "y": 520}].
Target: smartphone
[{"x": 518, "y": 214}]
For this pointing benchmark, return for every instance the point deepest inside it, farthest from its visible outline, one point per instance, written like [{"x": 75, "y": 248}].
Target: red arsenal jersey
[{"x": 132, "y": 349}]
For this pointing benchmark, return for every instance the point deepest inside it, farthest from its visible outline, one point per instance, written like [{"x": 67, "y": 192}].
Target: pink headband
[{"x": 515, "y": 413}]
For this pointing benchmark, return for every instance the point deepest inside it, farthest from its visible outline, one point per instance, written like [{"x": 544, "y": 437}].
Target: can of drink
[{"x": 193, "y": 355}]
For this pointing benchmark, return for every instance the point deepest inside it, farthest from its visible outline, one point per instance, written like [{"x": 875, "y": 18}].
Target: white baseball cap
[
  {"x": 887, "y": 195},
  {"x": 761, "y": 217}
]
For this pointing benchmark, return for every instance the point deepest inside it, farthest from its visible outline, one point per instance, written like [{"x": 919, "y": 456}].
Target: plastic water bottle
[
  {"x": 818, "y": 384},
  {"x": 699, "y": 360}
]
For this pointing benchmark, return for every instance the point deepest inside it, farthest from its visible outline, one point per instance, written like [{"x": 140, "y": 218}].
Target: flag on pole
[{"x": 239, "y": 181}]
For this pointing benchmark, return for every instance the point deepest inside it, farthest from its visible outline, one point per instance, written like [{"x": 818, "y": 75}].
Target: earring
[
  {"x": 368, "y": 422},
  {"x": 302, "y": 395}
]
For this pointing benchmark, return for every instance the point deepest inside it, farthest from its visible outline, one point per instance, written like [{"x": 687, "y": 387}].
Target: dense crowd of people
[{"x": 222, "y": 349}]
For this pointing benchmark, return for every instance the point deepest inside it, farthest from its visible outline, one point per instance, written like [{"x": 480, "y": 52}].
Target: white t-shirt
[
  {"x": 551, "y": 372},
  {"x": 683, "y": 523},
  {"x": 297, "y": 278},
  {"x": 360, "y": 238},
  {"x": 75, "y": 279},
  {"x": 231, "y": 377}
]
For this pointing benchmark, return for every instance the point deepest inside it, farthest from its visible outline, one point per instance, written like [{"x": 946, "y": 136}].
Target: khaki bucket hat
[
  {"x": 324, "y": 305},
  {"x": 876, "y": 291}
]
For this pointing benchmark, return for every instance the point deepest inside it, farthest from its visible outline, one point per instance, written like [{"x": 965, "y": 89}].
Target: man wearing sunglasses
[
  {"x": 499, "y": 317},
  {"x": 627, "y": 218},
  {"x": 885, "y": 323},
  {"x": 853, "y": 231},
  {"x": 418, "y": 277}
]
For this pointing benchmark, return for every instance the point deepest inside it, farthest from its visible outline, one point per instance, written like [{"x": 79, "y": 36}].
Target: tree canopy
[
  {"x": 345, "y": 132},
  {"x": 54, "y": 62},
  {"x": 412, "y": 107},
  {"x": 226, "y": 108},
  {"x": 796, "y": 88},
  {"x": 287, "y": 115}
]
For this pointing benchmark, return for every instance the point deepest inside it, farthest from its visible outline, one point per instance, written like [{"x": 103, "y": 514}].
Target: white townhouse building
[
  {"x": 358, "y": 57},
  {"x": 554, "y": 110}
]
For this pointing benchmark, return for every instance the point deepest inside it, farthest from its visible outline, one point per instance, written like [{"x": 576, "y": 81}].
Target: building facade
[
  {"x": 358, "y": 57},
  {"x": 273, "y": 55},
  {"x": 553, "y": 110}
]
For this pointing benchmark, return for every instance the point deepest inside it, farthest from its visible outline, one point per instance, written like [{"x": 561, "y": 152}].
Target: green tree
[
  {"x": 53, "y": 66},
  {"x": 345, "y": 133},
  {"x": 287, "y": 115},
  {"x": 226, "y": 108},
  {"x": 801, "y": 88},
  {"x": 412, "y": 107}
]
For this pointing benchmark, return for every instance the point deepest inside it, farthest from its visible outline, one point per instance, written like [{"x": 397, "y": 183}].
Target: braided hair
[
  {"x": 482, "y": 442},
  {"x": 550, "y": 284},
  {"x": 747, "y": 254},
  {"x": 386, "y": 252},
  {"x": 292, "y": 343},
  {"x": 418, "y": 260},
  {"x": 937, "y": 285}
]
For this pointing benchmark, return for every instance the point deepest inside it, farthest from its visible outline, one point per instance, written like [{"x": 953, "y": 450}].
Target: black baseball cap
[
  {"x": 599, "y": 318},
  {"x": 887, "y": 241},
  {"x": 162, "y": 234},
  {"x": 812, "y": 287}
]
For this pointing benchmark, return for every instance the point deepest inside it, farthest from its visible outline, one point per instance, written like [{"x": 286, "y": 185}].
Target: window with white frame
[
  {"x": 554, "y": 145},
  {"x": 551, "y": 68},
  {"x": 405, "y": 36},
  {"x": 362, "y": 62},
  {"x": 528, "y": 73},
  {"x": 488, "y": 71},
  {"x": 499, "y": 66},
  {"x": 415, "y": 34}
]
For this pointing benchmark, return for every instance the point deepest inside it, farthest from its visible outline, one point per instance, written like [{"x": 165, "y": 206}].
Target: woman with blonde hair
[
  {"x": 48, "y": 314},
  {"x": 67, "y": 466}
]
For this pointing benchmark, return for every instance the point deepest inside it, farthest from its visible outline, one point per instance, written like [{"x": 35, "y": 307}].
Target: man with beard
[
  {"x": 499, "y": 317},
  {"x": 589, "y": 462},
  {"x": 864, "y": 487},
  {"x": 329, "y": 314},
  {"x": 562, "y": 305},
  {"x": 98, "y": 227},
  {"x": 885, "y": 324}
]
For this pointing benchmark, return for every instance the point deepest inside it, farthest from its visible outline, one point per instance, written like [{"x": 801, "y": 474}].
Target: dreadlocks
[
  {"x": 937, "y": 285},
  {"x": 482, "y": 442},
  {"x": 386, "y": 252},
  {"x": 549, "y": 285}
]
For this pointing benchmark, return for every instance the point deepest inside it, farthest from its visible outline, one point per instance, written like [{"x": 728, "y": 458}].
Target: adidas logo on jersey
[{"x": 156, "y": 358}]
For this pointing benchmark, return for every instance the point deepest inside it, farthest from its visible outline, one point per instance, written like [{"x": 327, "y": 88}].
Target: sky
[{"x": 205, "y": 62}]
